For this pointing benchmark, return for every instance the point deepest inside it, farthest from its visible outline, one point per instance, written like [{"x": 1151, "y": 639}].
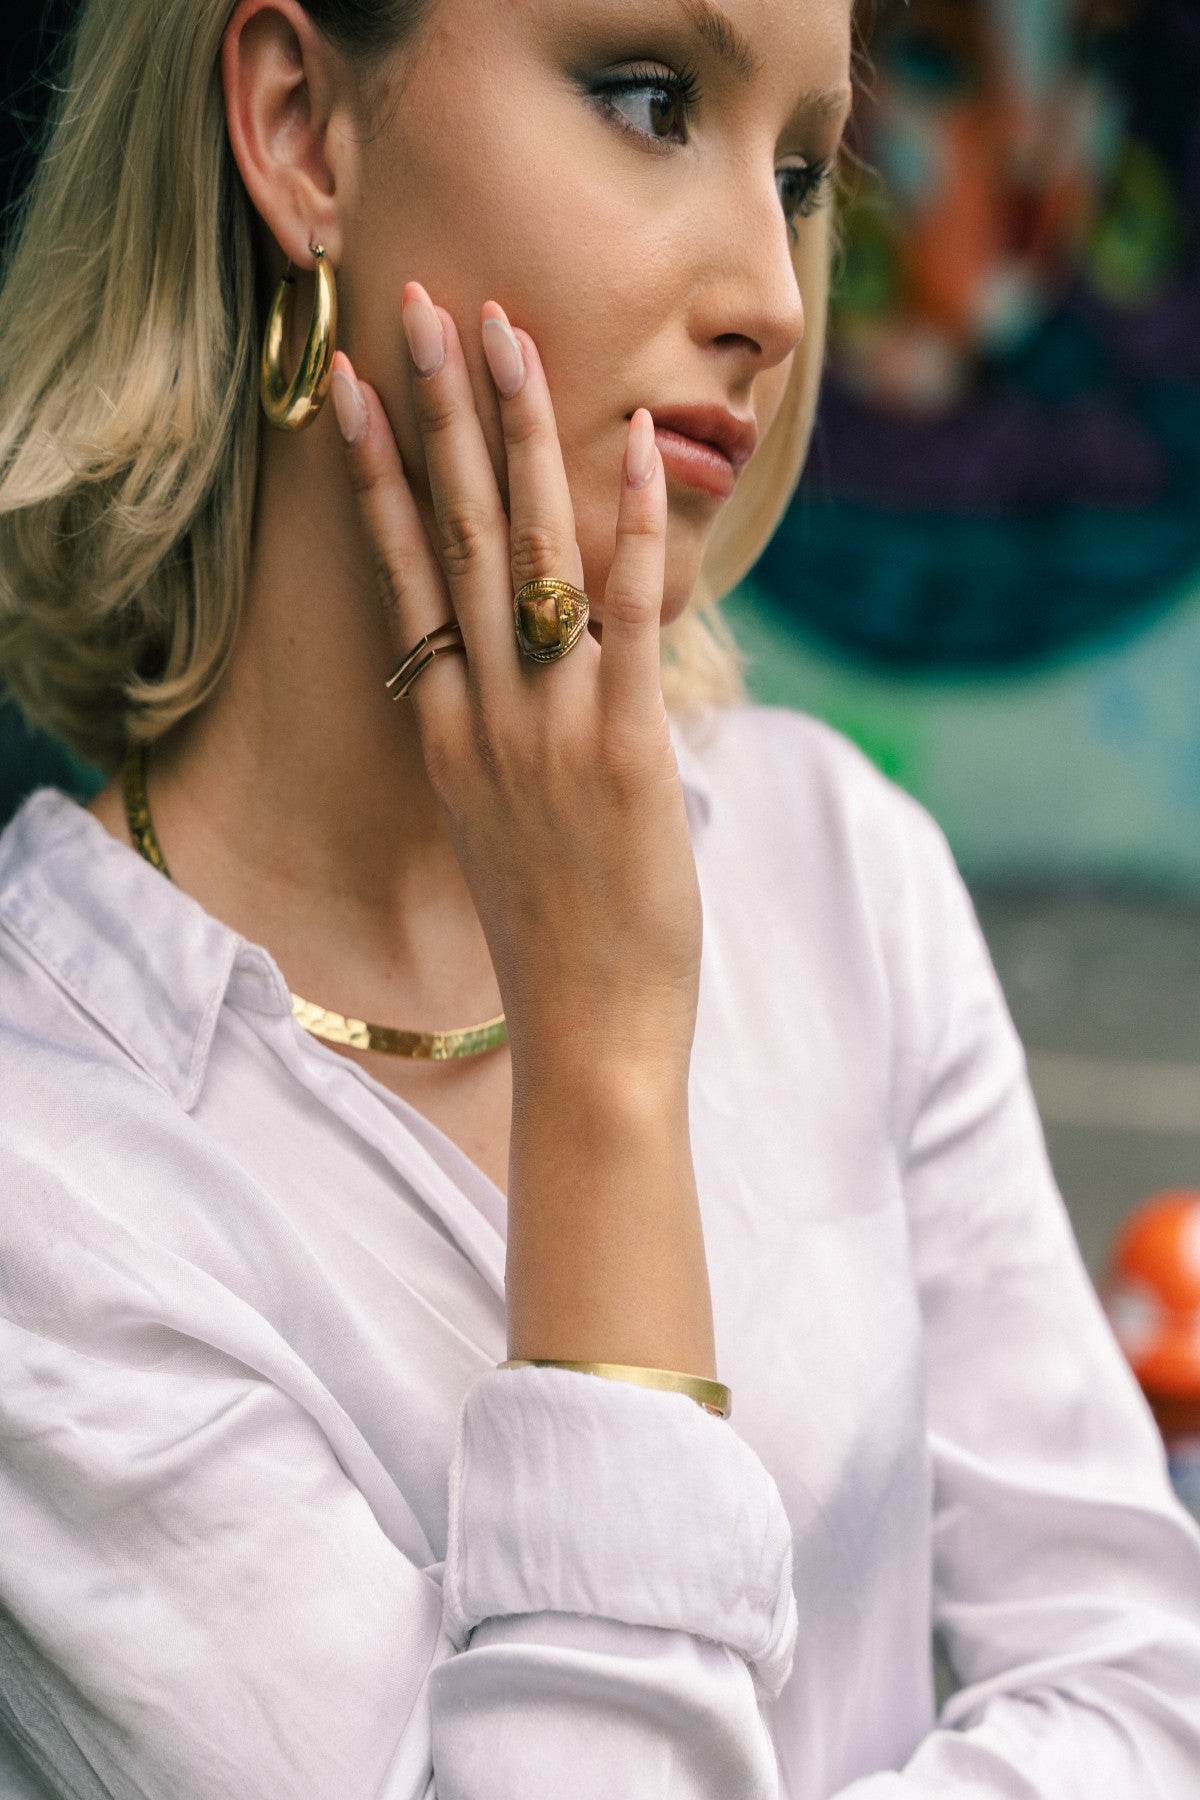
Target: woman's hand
[
  {"x": 562, "y": 793},
  {"x": 559, "y": 780}
]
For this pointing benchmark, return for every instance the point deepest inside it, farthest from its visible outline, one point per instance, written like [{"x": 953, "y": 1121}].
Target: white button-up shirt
[{"x": 274, "y": 1527}]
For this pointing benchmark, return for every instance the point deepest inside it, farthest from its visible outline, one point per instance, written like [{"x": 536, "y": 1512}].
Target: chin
[{"x": 677, "y": 600}]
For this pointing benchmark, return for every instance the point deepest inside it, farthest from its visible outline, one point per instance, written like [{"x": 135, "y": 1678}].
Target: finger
[
  {"x": 411, "y": 588},
  {"x": 471, "y": 537},
  {"x": 630, "y": 677},
  {"x": 541, "y": 517}
]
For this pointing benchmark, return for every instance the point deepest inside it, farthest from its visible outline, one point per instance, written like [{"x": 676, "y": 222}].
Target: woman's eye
[
  {"x": 804, "y": 189},
  {"x": 658, "y": 104}
]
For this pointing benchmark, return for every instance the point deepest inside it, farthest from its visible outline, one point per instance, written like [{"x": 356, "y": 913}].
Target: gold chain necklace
[{"x": 334, "y": 1027}]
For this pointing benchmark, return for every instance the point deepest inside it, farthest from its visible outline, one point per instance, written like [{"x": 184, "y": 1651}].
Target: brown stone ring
[{"x": 550, "y": 618}]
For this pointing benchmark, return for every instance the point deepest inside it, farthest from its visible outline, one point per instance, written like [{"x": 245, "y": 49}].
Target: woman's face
[{"x": 546, "y": 154}]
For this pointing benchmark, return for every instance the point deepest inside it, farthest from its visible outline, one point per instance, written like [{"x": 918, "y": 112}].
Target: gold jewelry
[
  {"x": 333, "y": 1027},
  {"x": 549, "y": 617},
  {"x": 713, "y": 1396},
  {"x": 291, "y": 405},
  {"x": 406, "y": 674}
]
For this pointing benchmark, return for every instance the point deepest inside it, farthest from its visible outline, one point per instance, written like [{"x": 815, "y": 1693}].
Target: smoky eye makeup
[{"x": 651, "y": 99}]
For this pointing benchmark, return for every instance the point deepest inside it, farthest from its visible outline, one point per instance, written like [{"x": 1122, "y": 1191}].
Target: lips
[{"x": 716, "y": 426}]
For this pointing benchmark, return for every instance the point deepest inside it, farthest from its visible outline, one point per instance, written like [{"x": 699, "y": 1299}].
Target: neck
[{"x": 294, "y": 804}]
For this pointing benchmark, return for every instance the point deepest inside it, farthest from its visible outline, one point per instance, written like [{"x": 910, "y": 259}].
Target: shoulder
[
  {"x": 784, "y": 783},
  {"x": 815, "y": 862}
]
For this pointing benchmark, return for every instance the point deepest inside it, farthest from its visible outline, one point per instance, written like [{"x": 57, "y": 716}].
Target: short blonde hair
[{"x": 129, "y": 324}]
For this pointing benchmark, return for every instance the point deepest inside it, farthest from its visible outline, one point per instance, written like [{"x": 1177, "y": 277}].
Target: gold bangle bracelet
[{"x": 713, "y": 1396}]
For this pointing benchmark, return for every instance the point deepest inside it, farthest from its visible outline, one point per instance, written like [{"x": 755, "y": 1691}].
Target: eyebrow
[{"x": 718, "y": 31}]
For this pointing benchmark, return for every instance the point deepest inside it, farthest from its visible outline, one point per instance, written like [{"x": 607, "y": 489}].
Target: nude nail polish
[
  {"x": 423, "y": 329},
  {"x": 639, "y": 451},
  {"x": 349, "y": 407},
  {"x": 504, "y": 358}
]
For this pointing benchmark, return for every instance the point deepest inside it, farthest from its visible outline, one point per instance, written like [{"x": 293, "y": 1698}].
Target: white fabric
[{"x": 274, "y": 1527}]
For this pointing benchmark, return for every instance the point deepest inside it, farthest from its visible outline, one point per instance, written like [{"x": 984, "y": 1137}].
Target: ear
[{"x": 286, "y": 91}]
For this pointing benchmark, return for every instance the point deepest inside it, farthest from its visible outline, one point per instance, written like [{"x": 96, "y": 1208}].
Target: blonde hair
[{"x": 129, "y": 329}]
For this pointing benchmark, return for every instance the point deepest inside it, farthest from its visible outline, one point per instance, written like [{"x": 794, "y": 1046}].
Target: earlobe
[{"x": 281, "y": 86}]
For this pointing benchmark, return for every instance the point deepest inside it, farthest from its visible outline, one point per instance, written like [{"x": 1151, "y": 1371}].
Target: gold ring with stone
[{"x": 550, "y": 617}]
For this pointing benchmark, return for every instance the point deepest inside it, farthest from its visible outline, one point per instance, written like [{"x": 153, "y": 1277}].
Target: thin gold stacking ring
[{"x": 422, "y": 654}]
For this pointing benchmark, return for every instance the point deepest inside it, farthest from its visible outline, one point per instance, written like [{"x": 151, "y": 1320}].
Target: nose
[{"x": 747, "y": 294}]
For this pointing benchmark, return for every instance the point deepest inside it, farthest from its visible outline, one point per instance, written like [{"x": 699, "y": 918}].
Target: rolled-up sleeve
[
  {"x": 620, "y": 1566},
  {"x": 1066, "y": 1575}
]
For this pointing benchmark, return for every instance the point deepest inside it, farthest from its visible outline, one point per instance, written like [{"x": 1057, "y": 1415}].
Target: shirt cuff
[{"x": 575, "y": 1493}]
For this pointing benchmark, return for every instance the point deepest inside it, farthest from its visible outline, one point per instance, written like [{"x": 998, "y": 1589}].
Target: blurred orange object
[{"x": 1152, "y": 1298}]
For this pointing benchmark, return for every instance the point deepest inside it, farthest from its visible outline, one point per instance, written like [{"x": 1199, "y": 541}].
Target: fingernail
[
  {"x": 423, "y": 329},
  {"x": 504, "y": 357},
  {"x": 349, "y": 406},
  {"x": 639, "y": 451}
]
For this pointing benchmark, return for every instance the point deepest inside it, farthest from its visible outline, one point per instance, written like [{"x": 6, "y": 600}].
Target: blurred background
[{"x": 990, "y": 577}]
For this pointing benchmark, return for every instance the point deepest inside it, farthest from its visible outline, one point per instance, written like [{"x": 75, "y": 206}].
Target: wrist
[
  {"x": 605, "y": 1248},
  {"x": 637, "y": 1042},
  {"x": 616, "y": 1079}
]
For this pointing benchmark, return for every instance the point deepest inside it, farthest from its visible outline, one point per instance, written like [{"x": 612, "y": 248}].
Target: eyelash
[{"x": 684, "y": 85}]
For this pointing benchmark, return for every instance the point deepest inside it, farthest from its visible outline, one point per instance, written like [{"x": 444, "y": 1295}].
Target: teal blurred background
[{"x": 1082, "y": 769}]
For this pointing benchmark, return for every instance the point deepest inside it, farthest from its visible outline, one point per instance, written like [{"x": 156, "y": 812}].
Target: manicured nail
[
  {"x": 504, "y": 357},
  {"x": 640, "y": 450},
  {"x": 423, "y": 329},
  {"x": 349, "y": 405}
]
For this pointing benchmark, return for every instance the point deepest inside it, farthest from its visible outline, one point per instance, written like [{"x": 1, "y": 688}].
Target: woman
[{"x": 275, "y": 1523}]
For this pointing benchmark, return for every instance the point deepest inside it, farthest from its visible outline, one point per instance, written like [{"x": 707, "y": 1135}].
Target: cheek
[{"x": 558, "y": 261}]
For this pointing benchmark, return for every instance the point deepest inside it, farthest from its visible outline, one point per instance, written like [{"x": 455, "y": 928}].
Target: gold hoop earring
[{"x": 291, "y": 405}]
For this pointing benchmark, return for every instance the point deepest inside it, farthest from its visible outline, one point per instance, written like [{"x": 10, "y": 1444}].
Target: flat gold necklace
[{"x": 334, "y": 1027}]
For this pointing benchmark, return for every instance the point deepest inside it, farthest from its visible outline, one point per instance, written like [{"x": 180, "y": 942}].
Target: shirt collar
[{"x": 139, "y": 955}]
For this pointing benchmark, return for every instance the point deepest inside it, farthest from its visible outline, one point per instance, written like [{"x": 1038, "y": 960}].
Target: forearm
[{"x": 605, "y": 1249}]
